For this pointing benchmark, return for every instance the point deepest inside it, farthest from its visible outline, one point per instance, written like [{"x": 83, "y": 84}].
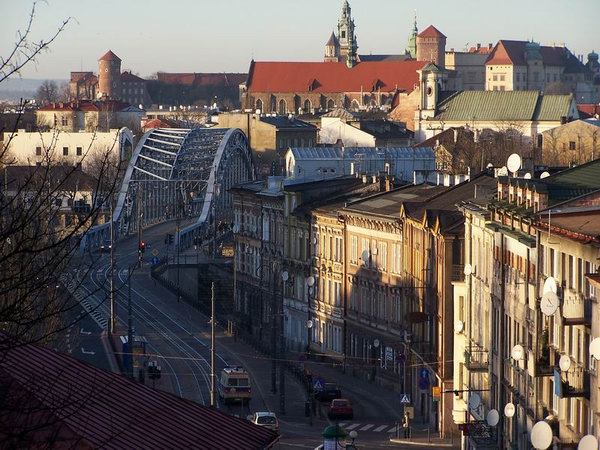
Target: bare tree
[{"x": 48, "y": 92}]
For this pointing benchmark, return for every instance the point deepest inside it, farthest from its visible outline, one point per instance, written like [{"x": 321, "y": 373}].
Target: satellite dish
[
  {"x": 544, "y": 175},
  {"x": 309, "y": 324},
  {"x": 503, "y": 171},
  {"x": 549, "y": 303},
  {"x": 285, "y": 275},
  {"x": 514, "y": 163},
  {"x": 527, "y": 176},
  {"x": 459, "y": 326},
  {"x": 509, "y": 410},
  {"x": 376, "y": 343},
  {"x": 588, "y": 442},
  {"x": 489, "y": 165},
  {"x": 474, "y": 400},
  {"x": 541, "y": 435},
  {"x": 517, "y": 352},
  {"x": 550, "y": 285},
  {"x": 468, "y": 269},
  {"x": 310, "y": 281},
  {"x": 493, "y": 417},
  {"x": 595, "y": 349},
  {"x": 564, "y": 363}
]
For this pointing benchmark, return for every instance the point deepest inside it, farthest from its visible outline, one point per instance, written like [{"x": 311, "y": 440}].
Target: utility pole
[
  {"x": 273, "y": 337},
  {"x": 178, "y": 247},
  {"x": 281, "y": 357},
  {"x": 212, "y": 345},
  {"x": 140, "y": 216},
  {"x": 129, "y": 324},
  {"x": 113, "y": 306}
]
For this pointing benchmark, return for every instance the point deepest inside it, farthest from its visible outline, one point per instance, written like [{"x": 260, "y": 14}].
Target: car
[
  {"x": 265, "y": 419},
  {"x": 105, "y": 246},
  {"x": 329, "y": 392},
  {"x": 341, "y": 408}
]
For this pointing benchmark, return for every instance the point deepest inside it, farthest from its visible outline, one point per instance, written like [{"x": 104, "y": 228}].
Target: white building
[
  {"x": 30, "y": 148},
  {"x": 316, "y": 163}
]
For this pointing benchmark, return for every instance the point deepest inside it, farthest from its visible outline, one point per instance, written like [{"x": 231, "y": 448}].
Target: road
[{"x": 178, "y": 339}]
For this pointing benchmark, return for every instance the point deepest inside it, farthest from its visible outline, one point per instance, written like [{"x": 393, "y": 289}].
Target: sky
[{"x": 224, "y": 35}]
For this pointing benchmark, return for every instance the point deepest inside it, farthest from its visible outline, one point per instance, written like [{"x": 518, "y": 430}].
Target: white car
[{"x": 265, "y": 419}]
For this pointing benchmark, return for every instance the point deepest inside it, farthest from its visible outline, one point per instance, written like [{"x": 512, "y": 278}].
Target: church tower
[
  {"x": 332, "y": 49},
  {"x": 109, "y": 76},
  {"x": 346, "y": 37},
  {"x": 411, "y": 48}
]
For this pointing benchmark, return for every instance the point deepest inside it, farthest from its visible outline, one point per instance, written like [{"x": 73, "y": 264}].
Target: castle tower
[
  {"x": 332, "y": 49},
  {"x": 431, "y": 46},
  {"x": 109, "y": 76},
  {"x": 346, "y": 38},
  {"x": 411, "y": 48}
]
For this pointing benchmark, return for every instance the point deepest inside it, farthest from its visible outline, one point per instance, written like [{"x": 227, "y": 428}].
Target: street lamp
[
  {"x": 310, "y": 282},
  {"x": 285, "y": 276}
]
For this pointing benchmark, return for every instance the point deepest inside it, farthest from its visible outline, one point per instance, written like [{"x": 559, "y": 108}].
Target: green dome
[
  {"x": 334, "y": 431},
  {"x": 593, "y": 56}
]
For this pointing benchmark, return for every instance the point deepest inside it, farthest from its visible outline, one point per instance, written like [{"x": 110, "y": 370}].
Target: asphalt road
[{"x": 178, "y": 339}]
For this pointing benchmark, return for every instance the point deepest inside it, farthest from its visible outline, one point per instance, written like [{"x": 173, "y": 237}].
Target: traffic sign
[
  {"x": 436, "y": 393},
  {"x": 155, "y": 252},
  {"x": 424, "y": 373},
  {"x": 405, "y": 398},
  {"x": 155, "y": 261},
  {"x": 318, "y": 386}
]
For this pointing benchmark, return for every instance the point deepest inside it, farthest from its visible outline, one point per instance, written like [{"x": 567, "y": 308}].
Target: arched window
[
  {"x": 273, "y": 104},
  {"x": 307, "y": 106},
  {"x": 330, "y": 104},
  {"x": 354, "y": 105},
  {"x": 259, "y": 105},
  {"x": 282, "y": 107}
]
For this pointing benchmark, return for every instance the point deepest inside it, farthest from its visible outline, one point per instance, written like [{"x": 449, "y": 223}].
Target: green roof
[
  {"x": 586, "y": 176},
  {"x": 466, "y": 106}
]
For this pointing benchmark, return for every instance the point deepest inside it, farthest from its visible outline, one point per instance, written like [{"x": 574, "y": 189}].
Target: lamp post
[
  {"x": 310, "y": 282},
  {"x": 284, "y": 278}
]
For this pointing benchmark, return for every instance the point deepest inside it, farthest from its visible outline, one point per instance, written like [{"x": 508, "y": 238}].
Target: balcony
[
  {"x": 577, "y": 310},
  {"x": 544, "y": 363},
  {"x": 576, "y": 383},
  {"x": 476, "y": 358},
  {"x": 458, "y": 272}
]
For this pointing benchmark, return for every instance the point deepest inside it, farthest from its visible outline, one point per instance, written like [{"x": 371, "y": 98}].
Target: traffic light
[
  {"x": 142, "y": 248},
  {"x": 171, "y": 238}
]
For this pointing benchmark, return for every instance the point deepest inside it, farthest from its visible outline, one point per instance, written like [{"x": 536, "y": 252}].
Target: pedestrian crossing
[
  {"x": 369, "y": 427},
  {"x": 89, "y": 303}
]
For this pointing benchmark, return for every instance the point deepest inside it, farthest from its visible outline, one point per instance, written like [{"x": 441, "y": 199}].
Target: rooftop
[
  {"x": 90, "y": 408},
  {"x": 514, "y": 52},
  {"x": 329, "y": 153},
  {"x": 289, "y": 123},
  {"x": 109, "y": 56},
  {"x": 431, "y": 31}
]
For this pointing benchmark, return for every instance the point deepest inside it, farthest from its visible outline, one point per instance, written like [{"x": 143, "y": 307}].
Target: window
[
  {"x": 65, "y": 151},
  {"x": 64, "y": 121},
  {"x": 382, "y": 250},
  {"x": 502, "y": 77},
  {"x": 343, "y": 34},
  {"x": 79, "y": 151},
  {"x": 38, "y": 151},
  {"x": 495, "y": 78},
  {"x": 502, "y": 88},
  {"x": 572, "y": 145},
  {"x": 354, "y": 249}
]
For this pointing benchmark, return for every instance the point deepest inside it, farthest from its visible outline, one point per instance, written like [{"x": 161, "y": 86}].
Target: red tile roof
[
  {"x": 333, "y": 77},
  {"x": 128, "y": 77},
  {"x": 109, "y": 56},
  {"x": 93, "y": 408},
  {"x": 202, "y": 79},
  {"x": 513, "y": 52},
  {"x": 431, "y": 31},
  {"x": 588, "y": 110}
]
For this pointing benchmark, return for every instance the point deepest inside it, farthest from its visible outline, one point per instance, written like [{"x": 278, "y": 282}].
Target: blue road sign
[
  {"x": 424, "y": 373},
  {"x": 155, "y": 261},
  {"x": 318, "y": 386}
]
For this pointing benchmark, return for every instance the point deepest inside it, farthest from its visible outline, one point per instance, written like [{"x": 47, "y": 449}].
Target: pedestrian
[{"x": 406, "y": 425}]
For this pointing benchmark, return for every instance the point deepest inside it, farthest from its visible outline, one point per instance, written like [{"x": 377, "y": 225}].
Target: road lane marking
[
  {"x": 354, "y": 425},
  {"x": 380, "y": 428},
  {"x": 366, "y": 427},
  {"x": 86, "y": 352},
  {"x": 85, "y": 332}
]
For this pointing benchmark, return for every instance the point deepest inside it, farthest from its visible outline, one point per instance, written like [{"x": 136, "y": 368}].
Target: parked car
[
  {"x": 341, "y": 408},
  {"x": 329, "y": 392},
  {"x": 105, "y": 246},
  {"x": 265, "y": 419}
]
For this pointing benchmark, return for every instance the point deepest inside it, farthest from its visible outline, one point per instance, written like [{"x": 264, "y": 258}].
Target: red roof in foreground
[
  {"x": 81, "y": 406},
  {"x": 588, "y": 110},
  {"x": 109, "y": 56},
  {"x": 431, "y": 31},
  {"x": 333, "y": 77}
]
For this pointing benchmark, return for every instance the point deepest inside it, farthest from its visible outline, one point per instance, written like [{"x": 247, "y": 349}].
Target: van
[{"x": 234, "y": 385}]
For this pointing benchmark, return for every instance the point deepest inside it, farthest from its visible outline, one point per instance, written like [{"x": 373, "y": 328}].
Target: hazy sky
[{"x": 224, "y": 35}]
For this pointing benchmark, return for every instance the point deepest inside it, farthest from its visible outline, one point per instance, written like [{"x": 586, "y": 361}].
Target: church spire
[
  {"x": 411, "y": 48},
  {"x": 346, "y": 37}
]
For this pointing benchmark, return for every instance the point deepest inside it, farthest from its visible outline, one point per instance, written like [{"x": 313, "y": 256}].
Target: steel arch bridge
[{"x": 180, "y": 174}]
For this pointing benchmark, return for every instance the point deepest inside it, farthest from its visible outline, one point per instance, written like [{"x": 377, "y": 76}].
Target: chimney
[
  {"x": 478, "y": 46},
  {"x": 563, "y": 120},
  {"x": 490, "y": 46}
]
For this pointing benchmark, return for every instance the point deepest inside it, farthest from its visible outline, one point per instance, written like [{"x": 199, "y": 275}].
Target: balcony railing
[
  {"x": 576, "y": 383},
  {"x": 458, "y": 272},
  {"x": 477, "y": 359},
  {"x": 544, "y": 362},
  {"x": 577, "y": 310}
]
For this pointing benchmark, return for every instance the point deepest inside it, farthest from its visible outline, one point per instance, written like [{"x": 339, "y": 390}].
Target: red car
[{"x": 341, "y": 408}]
